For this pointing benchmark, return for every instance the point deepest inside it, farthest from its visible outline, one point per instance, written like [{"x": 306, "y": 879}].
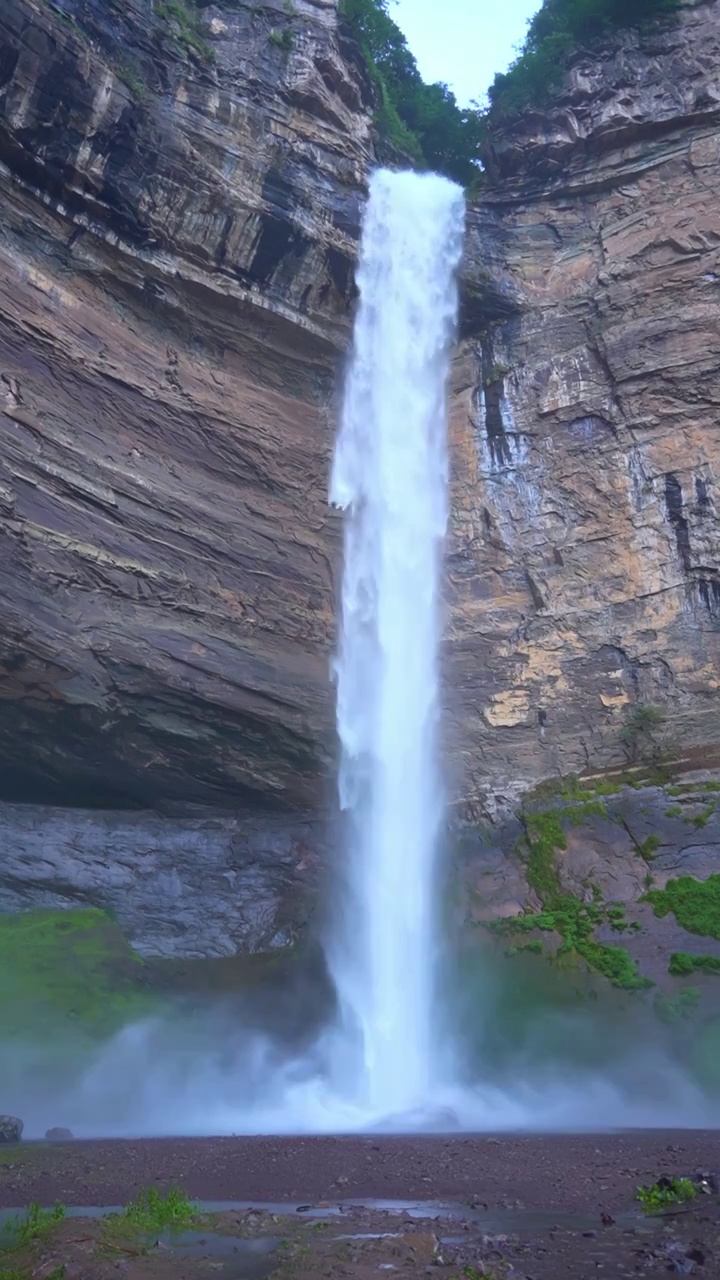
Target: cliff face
[
  {"x": 176, "y": 284},
  {"x": 180, "y": 201},
  {"x": 586, "y": 543}
]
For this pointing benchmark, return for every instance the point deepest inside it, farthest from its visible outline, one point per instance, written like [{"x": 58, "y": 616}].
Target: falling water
[{"x": 390, "y": 475}]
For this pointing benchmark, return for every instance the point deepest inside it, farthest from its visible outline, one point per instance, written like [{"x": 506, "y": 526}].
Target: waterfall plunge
[{"x": 390, "y": 475}]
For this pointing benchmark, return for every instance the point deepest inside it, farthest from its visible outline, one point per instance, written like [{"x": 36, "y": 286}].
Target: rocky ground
[{"x": 545, "y": 1208}]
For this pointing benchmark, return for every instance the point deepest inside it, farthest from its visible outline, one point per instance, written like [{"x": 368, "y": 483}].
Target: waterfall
[{"x": 390, "y": 476}]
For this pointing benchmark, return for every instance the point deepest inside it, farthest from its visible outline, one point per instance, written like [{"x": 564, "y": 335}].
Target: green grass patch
[
  {"x": 648, "y": 847},
  {"x": 571, "y": 787},
  {"x": 683, "y": 963},
  {"x": 151, "y": 1211},
  {"x": 694, "y": 903},
  {"x": 68, "y": 969},
  {"x": 693, "y": 788},
  {"x": 34, "y": 1225},
  {"x": 664, "y": 1193},
  {"x": 674, "y": 812},
  {"x": 702, "y": 819}
]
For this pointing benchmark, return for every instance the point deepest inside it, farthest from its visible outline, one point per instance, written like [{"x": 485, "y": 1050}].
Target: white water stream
[{"x": 390, "y": 476}]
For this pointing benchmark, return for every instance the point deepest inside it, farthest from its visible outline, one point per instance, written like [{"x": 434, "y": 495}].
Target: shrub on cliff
[
  {"x": 559, "y": 26},
  {"x": 422, "y": 121}
]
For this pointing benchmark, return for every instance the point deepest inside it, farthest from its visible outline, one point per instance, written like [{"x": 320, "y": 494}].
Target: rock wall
[
  {"x": 585, "y": 560},
  {"x": 181, "y": 203},
  {"x": 176, "y": 269},
  {"x": 178, "y": 887}
]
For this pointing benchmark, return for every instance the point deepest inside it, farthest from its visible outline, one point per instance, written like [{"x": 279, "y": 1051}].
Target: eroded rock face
[
  {"x": 585, "y": 541},
  {"x": 176, "y": 260},
  {"x": 176, "y": 265},
  {"x": 178, "y": 887}
]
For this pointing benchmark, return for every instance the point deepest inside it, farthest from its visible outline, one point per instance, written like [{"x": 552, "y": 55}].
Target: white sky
[{"x": 463, "y": 42}]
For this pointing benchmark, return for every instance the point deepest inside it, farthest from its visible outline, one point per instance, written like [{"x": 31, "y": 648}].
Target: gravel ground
[
  {"x": 577, "y": 1173},
  {"x": 490, "y": 1208}
]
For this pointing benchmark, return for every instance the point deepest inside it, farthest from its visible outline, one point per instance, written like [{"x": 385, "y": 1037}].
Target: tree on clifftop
[{"x": 557, "y": 27}]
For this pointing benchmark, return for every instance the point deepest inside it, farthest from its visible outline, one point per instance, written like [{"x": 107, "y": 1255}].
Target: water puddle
[{"x": 496, "y": 1221}]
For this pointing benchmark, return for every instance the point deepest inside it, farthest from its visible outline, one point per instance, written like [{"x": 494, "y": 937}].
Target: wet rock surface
[
  {"x": 11, "y": 1129},
  {"x": 210, "y": 886}
]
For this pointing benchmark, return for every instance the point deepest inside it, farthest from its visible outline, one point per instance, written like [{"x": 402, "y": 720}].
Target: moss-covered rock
[
  {"x": 694, "y": 903},
  {"x": 68, "y": 967}
]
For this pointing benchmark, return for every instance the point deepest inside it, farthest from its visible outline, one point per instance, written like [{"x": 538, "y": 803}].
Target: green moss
[
  {"x": 185, "y": 24},
  {"x": 693, "y": 788},
  {"x": 67, "y": 968},
  {"x": 563, "y": 913},
  {"x": 546, "y": 833},
  {"x": 133, "y": 82},
  {"x": 534, "y": 947},
  {"x": 671, "y": 1009},
  {"x": 282, "y": 39},
  {"x": 694, "y": 903},
  {"x": 674, "y": 812},
  {"x": 648, "y": 847},
  {"x": 576, "y": 922},
  {"x": 702, "y": 819},
  {"x": 572, "y": 787},
  {"x": 683, "y": 963}
]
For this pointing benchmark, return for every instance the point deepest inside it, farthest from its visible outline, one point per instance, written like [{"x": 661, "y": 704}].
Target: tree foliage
[
  {"x": 423, "y": 121},
  {"x": 556, "y": 28}
]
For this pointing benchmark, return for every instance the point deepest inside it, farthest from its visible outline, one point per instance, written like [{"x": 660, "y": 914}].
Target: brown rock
[
  {"x": 585, "y": 539},
  {"x": 176, "y": 288}
]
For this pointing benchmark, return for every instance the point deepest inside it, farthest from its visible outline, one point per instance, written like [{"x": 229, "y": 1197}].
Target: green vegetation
[
  {"x": 420, "y": 121},
  {"x": 572, "y": 787},
  {"x": 666, "y": 1192},
  {"x": 282, "y": 39},
  {"x": 675, "y": 811},
  {"x": 152, "y": 1212},
  {"x": 60, "y": 966},
  {"x": 186, "y": 26},
  {"x": 648, "y": 847},
  {"x": 563, "y": 913},
  {"x": 683, "y": 963},
  {"x": 694, "y": 903},
  {"x": 34, "y": 1225},
  {"x": 639, "y": 733},
  {"x": 556, "y": 29},
  {"x": 671, "y": 1009},
  {"x": 132, "y": 80},
  {"x": 702, "y": 819},
  {"x": 693, "y": 787}
]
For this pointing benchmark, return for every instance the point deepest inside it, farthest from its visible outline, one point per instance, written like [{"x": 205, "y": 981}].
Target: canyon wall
[
  {"x": 178, "y": 238},
  {"x": 181, "y": 192},
  {"x": 585, "y": 564}
]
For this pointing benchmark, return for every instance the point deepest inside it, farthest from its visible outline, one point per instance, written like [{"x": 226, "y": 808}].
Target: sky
[{"x": 463, "y": 42}]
